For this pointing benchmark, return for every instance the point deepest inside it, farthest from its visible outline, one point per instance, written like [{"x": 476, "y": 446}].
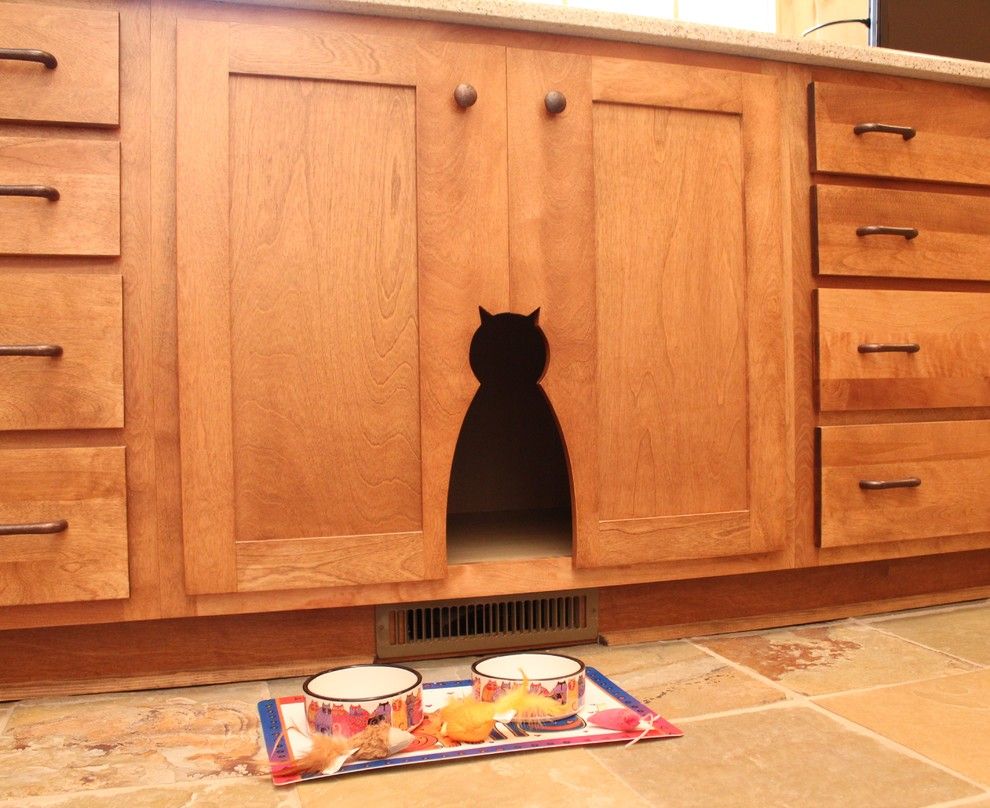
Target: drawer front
[
  {"x": 901, "y": 234},
  {"x": 63, "y": 525},
  {"x": 951, "y": 125},
  {"x": 61, "y": 352},
  {"x": 81, "y": 86},
  {"x": 85, "y": 217},
  {"x": 940, "y": 474},
  {"x": 903, "y": 350}
]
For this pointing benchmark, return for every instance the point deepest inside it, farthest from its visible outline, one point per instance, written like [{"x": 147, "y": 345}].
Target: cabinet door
[
  {"x": 692, "y": 380},
  {"x": 303, "y": 256}
]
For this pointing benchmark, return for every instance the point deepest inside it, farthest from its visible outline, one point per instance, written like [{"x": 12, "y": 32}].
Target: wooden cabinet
[
  {"x": 63, "y": 196},
  {"x": 917, "y": 133},
  {"x": 884, "y": 483},
  {"x": 305, "y": 301},
  {"x": 341, "y": 218},
  {"x": 63, "y": 524},
  {"x": 901, "y": 234},
  {"x": 61, "y": 352},
  {"x": 60, "y": 65},
  {"x": 691, "y": 314}
]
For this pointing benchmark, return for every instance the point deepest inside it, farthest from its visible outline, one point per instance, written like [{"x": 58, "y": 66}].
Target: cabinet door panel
[
  {"x": 299, "y": 256},
  {"x": 691, "y": 321}
]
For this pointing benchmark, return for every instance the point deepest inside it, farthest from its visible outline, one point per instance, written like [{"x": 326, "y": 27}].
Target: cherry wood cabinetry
[{"x": 282, "y": 234}]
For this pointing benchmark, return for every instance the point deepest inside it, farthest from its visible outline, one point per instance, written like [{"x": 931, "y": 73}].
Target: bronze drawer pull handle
[
  {"x": 882, "y": 230},
  {"x": 54, "y": 351},
  {"x": 906, "y": 132},
  {"x": 882, "y": 485},
  {"x": 44, "y": 191},
  {"x": 555, "y": 102},
  {"x": 28, "y": 55},
  {"x": 59, "y": 526},
  {"x": 889, "y": 347},
  {"x": 465, "y": 95}
]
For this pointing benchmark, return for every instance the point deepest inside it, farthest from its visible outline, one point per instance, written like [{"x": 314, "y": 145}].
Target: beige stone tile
[
  {"x": 825, "y": 659},
  {"x": 55, "y": 746},
  {"x": 963, "y": 632},
  {"x": 677, "y": 679},
  {"x": 244, "y": 793},
  {"x": 555, "y": 778},
  {"x": 286, "y": 687},
  {"x": 946, "y": 719},
  {"x": 789, "y": 757}
]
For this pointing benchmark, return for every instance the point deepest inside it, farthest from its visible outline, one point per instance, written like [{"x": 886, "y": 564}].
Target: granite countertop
[{"x": 652, "y": 31}]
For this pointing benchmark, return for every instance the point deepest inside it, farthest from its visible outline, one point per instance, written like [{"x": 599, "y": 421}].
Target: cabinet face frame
[
  {"x": 759, "y": 527},
  {"x": 208, "y": 55}
]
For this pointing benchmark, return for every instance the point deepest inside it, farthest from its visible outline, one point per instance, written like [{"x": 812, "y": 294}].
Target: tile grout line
[
  {"x": 783, "y": 704},
  {"x": 803, "y": 700},
  {"x": 604, "y": 764},
  {"x": 962, "y": 801},
  {"x": 893, "y": 745},
  {"x": 791, "y": 694},
  {"x": 889, "y": 633},
  {"x": 855, "y": 691},
  {"x": 755, "y": 631}
]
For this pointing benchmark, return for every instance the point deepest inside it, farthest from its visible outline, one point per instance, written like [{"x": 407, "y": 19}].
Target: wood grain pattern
[
  {"x": 323, "y": 292},
  {"x": 312, "y": 54},
  {"x": 83, "y": 88},
  {"x": 85, "y": 220},
  {"x": 658, "y": 84},
  {"x": 131, "y": 656},
  {"x": 952, "y": 328},
  {"x": 552, "y": 257},
  {"x": 311, "y": 301},
  {"x": 202, "y": 227},
  {"x": 462, "y": 204},
  {"x": 672, "y": 313},
  {"x": 691, "y": 360},
  {"x": 83, "y": 388},
  {"x": 677, "y": 538},
  {"x": 952, "y": 142},
  {"x": 953, "y": 239},
  {"x": 88, "y": 561},
  {"x": 951, "y": 458}
]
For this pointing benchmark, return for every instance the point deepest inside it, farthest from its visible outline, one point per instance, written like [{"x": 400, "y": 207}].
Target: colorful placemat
[{"x": 283, "y": 722}]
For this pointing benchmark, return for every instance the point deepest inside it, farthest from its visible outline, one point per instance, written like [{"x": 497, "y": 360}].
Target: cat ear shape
[
  {"x": 534, "y": 317},
  {"x": 485, "y": 315}
]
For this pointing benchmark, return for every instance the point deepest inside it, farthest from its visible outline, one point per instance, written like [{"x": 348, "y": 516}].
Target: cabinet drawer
[
  {"x": 63, "y": 525},
  {"x": 61, "y": 352},
  {"x": 903, "y": 350},
  {"x": 938, "y": 235},
  {"x": 81, "y": 87},
  {"x": 84, "y": 219},
  {"x": 951, "y": 125},
  {"x": 940, "y": 474}
]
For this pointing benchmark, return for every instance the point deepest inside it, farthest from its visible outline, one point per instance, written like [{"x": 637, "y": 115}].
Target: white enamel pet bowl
[
  {"x": 343, "y": 701},
  {"x": 560, "y": 677}
]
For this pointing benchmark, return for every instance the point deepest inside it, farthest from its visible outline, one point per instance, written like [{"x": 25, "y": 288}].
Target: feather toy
[
  {"x": 472, "y": 721},
  {"x": 329, "y": 752}
]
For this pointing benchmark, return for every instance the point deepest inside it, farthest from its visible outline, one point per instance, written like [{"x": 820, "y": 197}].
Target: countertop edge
[{"x": 650, "y": 31}]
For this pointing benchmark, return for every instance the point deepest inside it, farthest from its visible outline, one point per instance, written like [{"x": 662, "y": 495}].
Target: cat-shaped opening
[{"x": 510, "y": 465}]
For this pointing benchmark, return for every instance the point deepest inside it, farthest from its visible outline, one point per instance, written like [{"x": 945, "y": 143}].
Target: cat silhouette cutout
[{"x": 509, "y": 454}]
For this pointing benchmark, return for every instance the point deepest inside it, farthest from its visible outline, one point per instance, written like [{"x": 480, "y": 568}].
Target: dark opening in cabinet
[{"x": 510, "y": 492}]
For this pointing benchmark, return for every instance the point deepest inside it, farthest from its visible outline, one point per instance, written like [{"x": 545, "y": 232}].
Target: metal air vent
[{"x": 443, "y": 628}]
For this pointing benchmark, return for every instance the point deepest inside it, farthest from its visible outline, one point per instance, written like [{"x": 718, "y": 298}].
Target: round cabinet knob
[
  {"x": 555, "y": 102},
  {"x": 465, "y": 95}
]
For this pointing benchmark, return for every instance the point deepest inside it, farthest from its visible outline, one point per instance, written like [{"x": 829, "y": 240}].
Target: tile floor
[{"x": 890, "y": 711}]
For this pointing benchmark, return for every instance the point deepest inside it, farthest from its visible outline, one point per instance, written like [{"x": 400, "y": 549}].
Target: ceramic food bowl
[
  {"x": 343, "y": 701},
  {"x": 555, "y": 675}
]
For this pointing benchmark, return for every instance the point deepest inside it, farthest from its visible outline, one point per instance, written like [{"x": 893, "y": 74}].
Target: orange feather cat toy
[{"x": 472, "y": 721}]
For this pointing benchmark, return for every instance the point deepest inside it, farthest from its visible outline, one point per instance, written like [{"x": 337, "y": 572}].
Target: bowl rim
[
  {"x": 582, "y": 668},
  {"x": 377, "y": 697}
]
